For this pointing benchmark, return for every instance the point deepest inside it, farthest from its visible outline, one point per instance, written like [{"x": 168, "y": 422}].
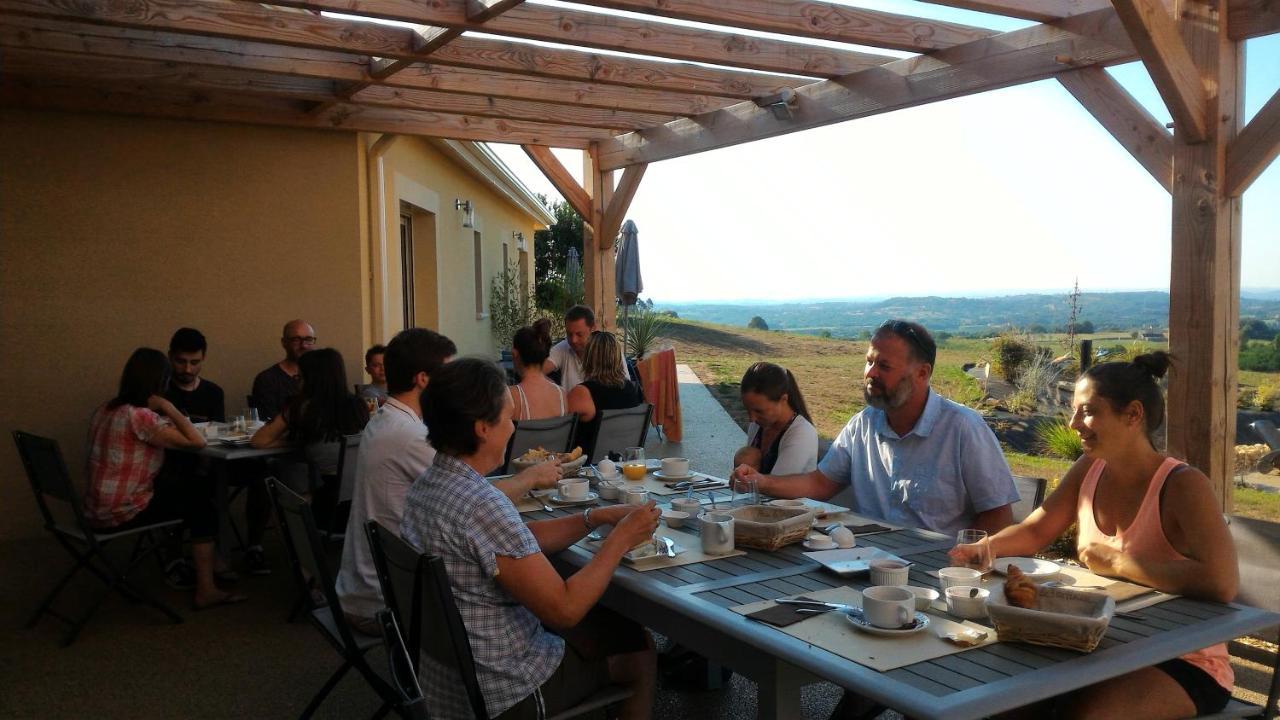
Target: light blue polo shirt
[{"x": 938, "y": 476}]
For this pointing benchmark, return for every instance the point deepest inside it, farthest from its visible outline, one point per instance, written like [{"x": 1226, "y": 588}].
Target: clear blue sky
[{"x": 1016, "y": 189}]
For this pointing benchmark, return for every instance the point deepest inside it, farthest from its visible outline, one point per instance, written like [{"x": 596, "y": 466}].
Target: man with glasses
[
  {"x": 273, "y": 387},
  {"x": 911, "y": 457}
]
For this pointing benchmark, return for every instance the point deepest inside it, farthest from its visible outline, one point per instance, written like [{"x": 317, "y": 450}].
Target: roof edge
[{"x": 485, "y": 164}]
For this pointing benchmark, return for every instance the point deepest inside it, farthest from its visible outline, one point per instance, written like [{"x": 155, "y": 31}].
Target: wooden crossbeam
[
  {"x": 613, "y": 32},
  {"x": 18, "y": 91},
  {"x": 1155, "y": 34},
  {"x": 1010, "y": 58},
  {"x": 41, "y": 33},
  {"x": 1257, "y": 145},
  {"x": 560, "y": 179},
  {"x": 1252, "y": 18},
  {"x": 482, "y": 10},
  {"x": 1038, "y": 10},
  {"x": 812, "y": 19},
  {"x": 1124, "y": 117},
  {"x": 432, "y": 100},
  {"x": 620, "y": 203}
]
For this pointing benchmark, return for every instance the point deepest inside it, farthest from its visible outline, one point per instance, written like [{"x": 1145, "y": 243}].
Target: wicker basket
[
  {"x": 1072, "y": 619},
  {"x": 766, "y": 527},
  {"x": 570, "y": 468}
]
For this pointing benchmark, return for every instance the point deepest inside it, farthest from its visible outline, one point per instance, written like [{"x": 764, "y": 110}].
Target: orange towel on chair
[{"x": 662, "y": 390}]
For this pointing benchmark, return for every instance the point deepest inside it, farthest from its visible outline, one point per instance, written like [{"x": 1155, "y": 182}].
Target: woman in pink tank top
[{"x": 1142, "y": 516}]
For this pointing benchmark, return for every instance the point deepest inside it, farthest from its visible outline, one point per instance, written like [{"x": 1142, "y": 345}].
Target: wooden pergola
[{"x": 291, "y": 63}]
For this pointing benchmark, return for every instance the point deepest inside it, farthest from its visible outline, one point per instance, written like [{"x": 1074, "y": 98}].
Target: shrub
[
  {"x": 757, "y": 323},
  {"x": 510, "y": 307},
  {"x": 1246, "y": 397},
  {"x": 1268, "y": 396},
  {"x": 1056, "y": 438},
  {"x": 1037, "y": 381},
  {"x": 1260, "y": 357},
  {"x": 1010, "y": 351},
  {"x": 643, "y": 329}
]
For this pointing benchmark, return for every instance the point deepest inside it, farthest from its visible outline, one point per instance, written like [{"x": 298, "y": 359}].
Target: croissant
[{"x": 1019, "y": 590}]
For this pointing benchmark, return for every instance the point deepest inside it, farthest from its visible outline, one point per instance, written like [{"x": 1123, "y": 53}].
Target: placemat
[
  {"x": 657, "y": 487},
  {"x": 833, "y": 633},
  {"x": 691, "y": 543},
  {"x": 1081, "y": 579}
]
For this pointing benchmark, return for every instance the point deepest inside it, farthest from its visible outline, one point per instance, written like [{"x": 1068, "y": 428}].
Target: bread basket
[
  {"x": 1065, "y": 618},
  {"x": 768, "y": 527}
]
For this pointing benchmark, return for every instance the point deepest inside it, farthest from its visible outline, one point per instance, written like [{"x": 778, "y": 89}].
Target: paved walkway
[{"x": 711, "y": 437}]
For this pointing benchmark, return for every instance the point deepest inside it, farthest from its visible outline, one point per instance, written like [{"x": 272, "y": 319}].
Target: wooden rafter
[
  {"x": 1252, "y": 18},
  {"x": 431, "y": 100},
  {"x": 1132, "y": 126},
  {"x": 1155, "y": 34},
  {"x": 1010, "y": 58},
  {"x": 550, "y": 165},
  {"x": 482, "y": 10},
  {"x": 613, "y": 32},
  {"x": 812, "y": 19},
  {"x": 616, "y": 211},
  {"x": 1257, "y": 145},
  {"x": 1038, "y": 10}
]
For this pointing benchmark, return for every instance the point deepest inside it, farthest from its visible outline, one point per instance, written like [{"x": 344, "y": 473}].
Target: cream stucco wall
[{"x": 115, "y": 231}]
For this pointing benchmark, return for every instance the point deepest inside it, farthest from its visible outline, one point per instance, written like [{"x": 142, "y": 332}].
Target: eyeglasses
[
  {"x": 906, "y": 331},
  {"x": 308, "y": 340}
]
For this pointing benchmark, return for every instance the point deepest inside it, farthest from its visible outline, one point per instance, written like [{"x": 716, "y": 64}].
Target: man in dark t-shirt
[
  {"x": 197, "y": 398},
  {"x": 273, "y": 387}
]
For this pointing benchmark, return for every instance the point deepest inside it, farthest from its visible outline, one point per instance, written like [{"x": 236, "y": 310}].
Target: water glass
[
  {"x": 252, "y": 414},
  {"x": 980, "y": 560},
  {"x": 632, "y": 455}
]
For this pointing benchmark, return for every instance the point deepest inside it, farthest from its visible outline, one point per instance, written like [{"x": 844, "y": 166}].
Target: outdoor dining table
[
  {"x": 690, "y": 604},
  {"x": 222, "y": 455}
]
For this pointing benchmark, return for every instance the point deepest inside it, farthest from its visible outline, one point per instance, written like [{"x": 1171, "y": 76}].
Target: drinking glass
[
  {"x": 980, "y": 560},
  {"x": 252, "y": 414},
  {"x": 633, "y": 466},
  {"x": 632, "y": 455}
]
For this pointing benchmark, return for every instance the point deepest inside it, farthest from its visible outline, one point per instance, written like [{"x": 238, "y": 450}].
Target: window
[
  {"x": 479, "y": 276},
  {"x": 406, "y": 268}
]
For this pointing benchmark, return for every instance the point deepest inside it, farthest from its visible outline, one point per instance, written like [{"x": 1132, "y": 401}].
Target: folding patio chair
[
  {"x": 64, "y": 518},
  {"x": 418, "y": 585},
  {"x": 620, "y": 429},
  {"x": 553, "y": 434},
  {"x": 1030, "y": 494},
  {"x": 310, "y": 565}
]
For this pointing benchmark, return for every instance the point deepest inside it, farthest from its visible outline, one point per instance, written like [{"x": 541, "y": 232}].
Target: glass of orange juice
[{"x": 633, "y": 465}]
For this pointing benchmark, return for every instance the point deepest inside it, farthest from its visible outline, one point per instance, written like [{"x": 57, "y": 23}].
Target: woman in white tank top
[{"x": 535, "y": 396}]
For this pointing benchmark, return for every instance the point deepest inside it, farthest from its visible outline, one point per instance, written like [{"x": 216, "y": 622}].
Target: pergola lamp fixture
[
  {"x": 520, "y": 242},
  {"x": 779, "y": 103},
  {"x": 469, "y": 212}
]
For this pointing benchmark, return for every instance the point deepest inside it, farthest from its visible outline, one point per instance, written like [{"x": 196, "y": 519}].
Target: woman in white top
[
  {"x": 535, "y": 396},
  {"x": 780, "y": 439}
]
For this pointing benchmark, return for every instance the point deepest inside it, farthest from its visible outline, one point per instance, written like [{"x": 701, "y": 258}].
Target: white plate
[
  {"x": 590, "y": 498},
  {"x": 809, "y": 545},
  {"x": 860, "y": 622},
  {"x": 651, "y": 552},
  {"x": 850, "y": 561},
  {"x": 1034, "y": 568},
  {"x": 234, "y": 439},
  {"x": 671, "y": 478}
]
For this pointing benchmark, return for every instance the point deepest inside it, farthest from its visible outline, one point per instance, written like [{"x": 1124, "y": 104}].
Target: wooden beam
[
  {"x": 482, "y": 10},
  {"x": 1010, "y": 58},
  {"x": 616, "y": 212},
  {"x": 241, "y": 108},
  {"x": 1128, "y": 122},
  {"x": 1038, "y": 10},
  {"x": 422, "y": 42},
  {"x": 40, "y": 33},
  {"x": 598, "y": 257},
  {"x": 432, "y": 100},
  {"x": 1257, "y": 145},
  {"x": 812, "y": 19},
  {"x": 560, "y": 178},
  {"x": 614, "y": 32},
  {"x": 1155, "y": 34},
  {"x": 1253, "y": 18},
  {"x": 1204, "y": 282}
]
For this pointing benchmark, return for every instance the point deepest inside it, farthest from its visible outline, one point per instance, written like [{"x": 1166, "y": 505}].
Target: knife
[
  {"x": 819, "y": 606},
  {"x": 700, "y": 484},
  {"x": 671, "y": 546}
]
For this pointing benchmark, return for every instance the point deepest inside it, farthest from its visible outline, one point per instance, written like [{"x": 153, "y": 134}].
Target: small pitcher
[{"x": 717, "y": 533}]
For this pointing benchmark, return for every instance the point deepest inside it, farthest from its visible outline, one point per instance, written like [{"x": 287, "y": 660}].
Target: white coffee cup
[
  {"x": 675, "y": 518},
  {"x": 573, "y": 489},
  {"x": 951, "y": 576},
  {"x": 967, "y": 601},
  {"x": 675, "y": 467},
  {"x": 687, "y": 505},
  {"x": 843, "y": 537},
  {"x": 820, "y": 542},
  {"x": 635, "y": 496},
  {"x": 889, "y": 572},
  {"x": 211, "y": 431},
  {"x": 717, "y": 533},
  {"x": 888, "y": 606}
]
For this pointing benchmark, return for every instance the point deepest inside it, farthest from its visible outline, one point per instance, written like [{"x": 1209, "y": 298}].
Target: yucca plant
[
  {"x": 1057, "y": 438},
  {"x": 643, "y": 329}
]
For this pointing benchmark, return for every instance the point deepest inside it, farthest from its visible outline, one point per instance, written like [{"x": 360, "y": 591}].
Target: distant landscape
[{"x": 1116, "y": 311}]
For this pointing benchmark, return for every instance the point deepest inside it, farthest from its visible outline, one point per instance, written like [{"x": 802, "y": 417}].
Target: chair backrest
[
  {"x": 55, "y": 491},
  {"x": 1031, "y": 494},
  {"x": 620, "y": 429},
  {"x": 306, "y": 554},
  {"x": 1258, "y": 550},
  {"x": 402, "y": 669},
  {"x": 440, "y": 633},
  {"x": 554, "y": 434},
  {"x": 348, "y": 452}
]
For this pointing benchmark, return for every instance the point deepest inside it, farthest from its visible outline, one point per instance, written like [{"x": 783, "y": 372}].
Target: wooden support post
[
  {"x": 598, "y": 256},
  {"x": 1204, "y": 285}
]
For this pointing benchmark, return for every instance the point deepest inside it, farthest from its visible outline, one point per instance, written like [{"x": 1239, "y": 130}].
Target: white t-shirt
[
  {"x": 566, "y": 361},
  {"x": 798, "y": 450},
  {"x": 393, "y": 452}
]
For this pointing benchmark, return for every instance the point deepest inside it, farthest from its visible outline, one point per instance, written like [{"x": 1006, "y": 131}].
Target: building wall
[{"x": 115, "y": 231}]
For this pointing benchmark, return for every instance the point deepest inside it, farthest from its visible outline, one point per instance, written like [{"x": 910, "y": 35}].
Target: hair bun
[{"x": 1155, "y": 364}]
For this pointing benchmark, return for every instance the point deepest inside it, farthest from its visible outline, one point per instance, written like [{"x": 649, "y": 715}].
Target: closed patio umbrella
[{"x": 627, "y": 269}]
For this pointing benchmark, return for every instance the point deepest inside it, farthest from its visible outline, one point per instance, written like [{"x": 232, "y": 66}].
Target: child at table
[{"x": 1143, "y": 516}]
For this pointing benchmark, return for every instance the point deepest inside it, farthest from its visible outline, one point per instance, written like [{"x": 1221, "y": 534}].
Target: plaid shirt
[
  {"x": 454, "y": 512},
  {"x": 122, "y": 465}
]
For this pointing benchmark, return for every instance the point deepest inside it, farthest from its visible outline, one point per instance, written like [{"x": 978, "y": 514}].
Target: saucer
[
  {"x": 671, "y": 478},
  {"x": 590, "y": 498},
  {"x": 861, "y": 622},
  {"x": 1034, "y": 568},
  {"x": 810, "y": 545}
]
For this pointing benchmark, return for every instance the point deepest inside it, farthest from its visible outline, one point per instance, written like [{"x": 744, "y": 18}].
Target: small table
[{"x": 222, "y": 455}]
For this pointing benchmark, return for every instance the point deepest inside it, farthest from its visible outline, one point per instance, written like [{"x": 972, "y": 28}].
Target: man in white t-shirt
[{"x": 566, "y": 355}]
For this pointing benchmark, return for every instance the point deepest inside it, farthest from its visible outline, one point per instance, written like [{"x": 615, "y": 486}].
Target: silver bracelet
[{"x": 586, "y": 519}]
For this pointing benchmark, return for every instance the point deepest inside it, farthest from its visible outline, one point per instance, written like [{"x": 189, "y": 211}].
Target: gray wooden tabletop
[{"x": 691, "y": 603}]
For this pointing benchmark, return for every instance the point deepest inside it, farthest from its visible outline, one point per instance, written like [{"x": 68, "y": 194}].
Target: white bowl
[
  {"x": 924, "y": 596},
  {"x": 787, "y": 503},
  {"x": 967, "y": 601},
  {"x": 608, "y": 490},
  {"x": 674, "y": 518},
  {"x": 951, "y": 576}
]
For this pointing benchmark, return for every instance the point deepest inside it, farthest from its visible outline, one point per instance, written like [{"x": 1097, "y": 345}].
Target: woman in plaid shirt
[{"x": 128, "y": 486}]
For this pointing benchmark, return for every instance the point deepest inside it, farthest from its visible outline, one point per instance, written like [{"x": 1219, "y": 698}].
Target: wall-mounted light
[
  {"x": 520, "y": 243},
  {"x": 469, "y": 210},
  {"x": 779, "y": 103}
]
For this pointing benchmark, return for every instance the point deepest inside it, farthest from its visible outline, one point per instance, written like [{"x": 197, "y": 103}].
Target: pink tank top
[{"x": 1145, "y": 538}]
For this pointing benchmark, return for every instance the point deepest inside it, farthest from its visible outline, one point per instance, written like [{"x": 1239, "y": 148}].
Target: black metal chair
[
  {"x": 554, "y": 434},
  {"x": 1031, "y": 493},
  {"x": 59, "y": 503},
  {"x": 620, "y": 429},
  {"x": 404, "y": 673},
  {"x": 418, "y": 584},
  {"x": 311, "y": 567}
]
